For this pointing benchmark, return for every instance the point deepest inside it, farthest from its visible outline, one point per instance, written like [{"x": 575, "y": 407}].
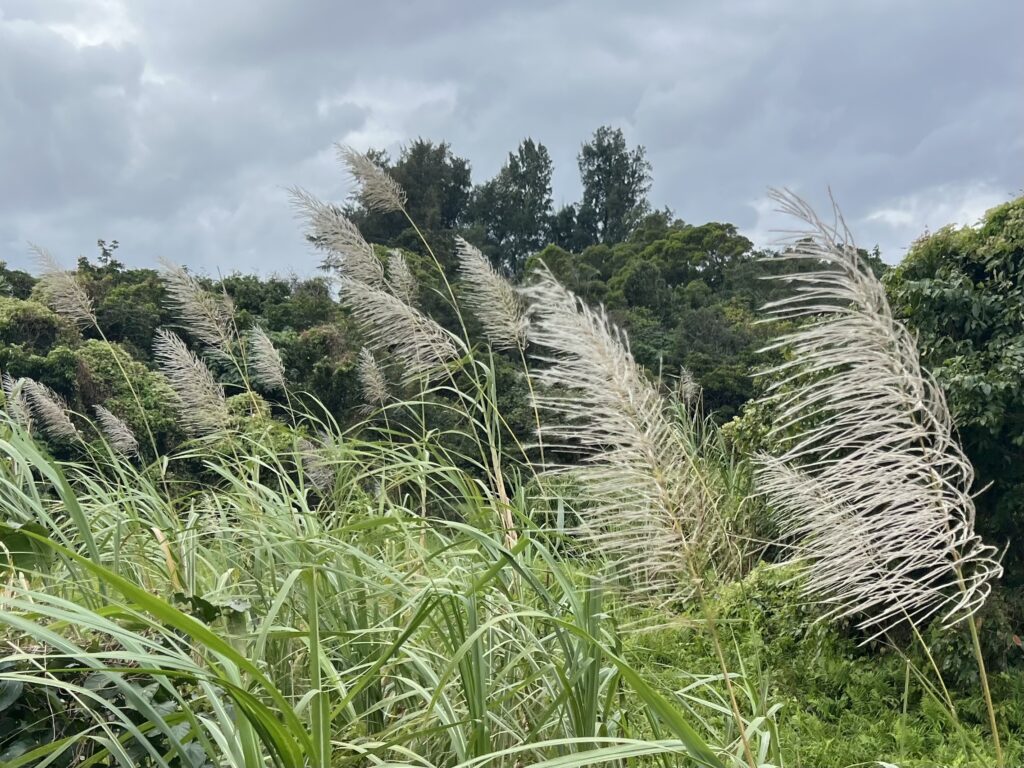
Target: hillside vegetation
[{"x": 513, "y": 486}]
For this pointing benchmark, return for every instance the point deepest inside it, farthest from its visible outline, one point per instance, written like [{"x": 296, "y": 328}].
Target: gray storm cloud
[{"x": 175, "y": 127}]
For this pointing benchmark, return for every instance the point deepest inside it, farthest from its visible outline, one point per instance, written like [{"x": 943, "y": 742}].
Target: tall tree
[
  {"x": 437, "y": 186},
  {"x": 436, "y": 181},
  {"x": 514, "y": 208},
  {"x": 615, "y": 185}
]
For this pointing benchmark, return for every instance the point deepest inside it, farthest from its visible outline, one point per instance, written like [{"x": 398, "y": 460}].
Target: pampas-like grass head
[
  {"x": 49, "y": 411},
  {"x": 318, "y": 469},
  {"x": 118, "y": 434},
  {"x": 265, "y": 365},
  {"x": 377, "y": 190},
  {"x": 199, "y": 398},
  {"x": 871, "y": 487},
  {"x": 15, "y": 403},
  {"x": 393, "y": 328},
  {"x": 206, "y": 316},
  {"x": 492, "y": 299},
  {"x": 62, "y": 291},
  {"x": 401, "y": 282},
  {"x": 328, "y": 228},
  {"x": 651, "y": 507},
  {"x": 372, "y": 381}
]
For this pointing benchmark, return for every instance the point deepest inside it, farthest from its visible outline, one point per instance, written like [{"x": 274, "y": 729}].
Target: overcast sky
[{"x": 175, "y": 127}]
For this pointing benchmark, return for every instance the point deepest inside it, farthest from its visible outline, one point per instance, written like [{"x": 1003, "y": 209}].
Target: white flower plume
[
  {"x": 871, "y": 487},
  {"x": 15, "y": 402},
  {"x": 393, "y": 328},
  {"x": 651, "y": 506},
  {"x": 401, "y": 282},
  {"x": 328, "y": 228},
  {"x": 265, "y": 365},
  {"x": 118, "y": 434},
  {"x": 492, "y": 299},
  {"x": 49, "y": 411},
  {"x": 377, "y": 190},
  {"x": 62, "y": 291},
  {"x": 372, "y": 381},
  {"x": 206, "y": 316},
  {"x": 199, "y": 398}
]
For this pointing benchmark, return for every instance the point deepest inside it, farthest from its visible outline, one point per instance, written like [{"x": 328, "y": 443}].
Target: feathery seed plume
[
  {"x": 372, "y": 381},
  {"x": 652, "y": 507},
  {"x": 206, "y": 316},
  {"x": 392, "y": 327},
  {"x": 329, "y": 229},
  {"x": 491, "y": 298},
  {"x": 265, "y": 364},
  {"x": 118, "y": 434},
  {"x": 62, "y": 291},
  {"x": 377, "y": 190},
  {"x": 15, "y": 402},
  {"x": 401, "y": 282},
  {"x": 199, "y": 398},
  {"x": 871, "y": 486},
  {"x": 319, "y": 471},
  {"x": 687, "y": 387},
  {"x": 49, "y": 411}
]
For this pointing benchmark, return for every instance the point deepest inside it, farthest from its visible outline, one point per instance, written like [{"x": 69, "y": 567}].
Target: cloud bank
[{"x": 176, "y": 127}]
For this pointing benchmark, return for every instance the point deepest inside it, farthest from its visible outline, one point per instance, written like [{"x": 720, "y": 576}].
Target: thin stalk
[
  {"x": 711, "y": 622},
  {"x": 533, "y": 402},
  {"x": 976, "y": 644}
]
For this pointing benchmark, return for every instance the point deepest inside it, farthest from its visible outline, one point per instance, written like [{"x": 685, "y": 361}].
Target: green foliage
[
  {"x": 296, "y": 590},
  {"x": 32, "y": 325},
  {"x": 513, "y": 210},
  {"x": 841, "y": 704},
  {"x": 615, "y": 185},
  {"x": 104, "y": 373}
]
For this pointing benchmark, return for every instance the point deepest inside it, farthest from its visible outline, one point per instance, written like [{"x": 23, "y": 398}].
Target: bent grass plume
[
  {"x": 329, "y": 229},
  {"x": 49, "y": 411},
  {"x": 117, "y": 433},
  {"x": 62, "y": 290},
  {"x": 378, "y": 191},
  {"x": 492, "y": 299},
  {"x": 401, "y": 281},
  {"x": 204, "y": 315},
  {"x": 414, "y": 340},
  {"x": 264, "y": 361},
  {"x": 15, "y": 403},
  {"x": 871, "y": 486},
  {"x": 652, "y": 509},
  {"x": 199, "y": 398}
]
